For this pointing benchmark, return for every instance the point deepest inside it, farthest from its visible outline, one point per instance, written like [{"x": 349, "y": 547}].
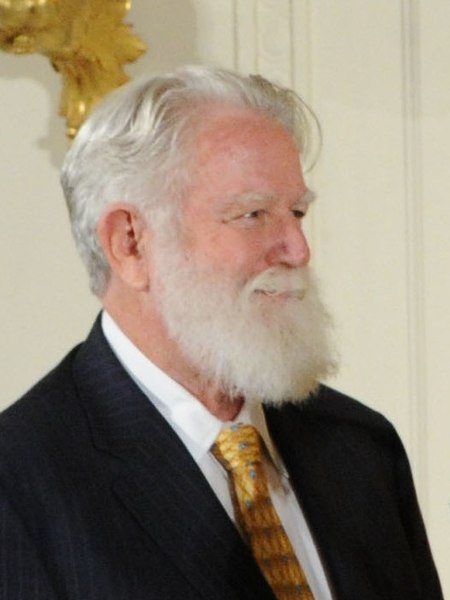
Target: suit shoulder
[
  {"x": 331, "y": 410},
  {"x": 330, "y": 424},
  {"x": 329, "y": 403},
  {"x": 40, "y": 406}
]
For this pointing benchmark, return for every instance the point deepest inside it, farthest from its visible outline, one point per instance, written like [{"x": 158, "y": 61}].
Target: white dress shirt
[{"x": 198, "y": 430}]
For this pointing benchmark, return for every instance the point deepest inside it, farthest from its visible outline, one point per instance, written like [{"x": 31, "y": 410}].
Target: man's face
[
  {"x": 233, "y": 288},
  {"x": 243, "y": 211}
]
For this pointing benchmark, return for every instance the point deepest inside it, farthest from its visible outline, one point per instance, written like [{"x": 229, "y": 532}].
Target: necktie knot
[{"x": 238, "y": 446}]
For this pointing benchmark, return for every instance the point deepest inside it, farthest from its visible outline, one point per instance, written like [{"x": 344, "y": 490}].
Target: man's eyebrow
[
  {"x": 248, "y": 197},
  {"x": 241, "y": 201},
  {"x": 307, "y": 197}
]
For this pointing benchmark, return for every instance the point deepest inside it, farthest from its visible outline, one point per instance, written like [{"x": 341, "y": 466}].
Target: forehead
[
  {"x": 227, "y": 128},
  {"x": 241, "y": 150}
]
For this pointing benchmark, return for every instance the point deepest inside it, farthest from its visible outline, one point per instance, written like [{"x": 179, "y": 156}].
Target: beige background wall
[{"x": 378, "y": 74}]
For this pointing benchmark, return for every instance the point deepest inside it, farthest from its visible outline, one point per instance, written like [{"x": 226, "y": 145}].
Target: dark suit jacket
[{"x": 100, "y": 500}]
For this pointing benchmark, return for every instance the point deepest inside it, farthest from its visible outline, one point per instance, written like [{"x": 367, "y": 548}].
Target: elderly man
[{"x": 187, "y": 449}]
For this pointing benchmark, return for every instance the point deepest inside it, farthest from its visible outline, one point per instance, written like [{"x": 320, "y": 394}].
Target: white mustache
[{"x": 278, "y": 281}]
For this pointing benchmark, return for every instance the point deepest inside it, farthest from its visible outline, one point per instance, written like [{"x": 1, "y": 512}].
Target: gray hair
[{"x": 134, "y": 148}]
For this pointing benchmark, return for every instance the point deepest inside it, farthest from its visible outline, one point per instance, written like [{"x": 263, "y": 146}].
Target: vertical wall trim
[
  {"x": 245, "y": 36},
  {"x": 235, "y": 34},
  {"x": 412, "y": 136},
  {"x": 274, "y": 40},
  {"x": 257, "y": 38},
  {"x": 302, "y": 48},
  {"x": 302, "y": 74},
  {"x": 291, "y": 46}
]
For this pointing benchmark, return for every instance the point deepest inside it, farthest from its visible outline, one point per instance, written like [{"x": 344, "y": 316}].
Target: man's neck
[{"x": 218, "y": 403}]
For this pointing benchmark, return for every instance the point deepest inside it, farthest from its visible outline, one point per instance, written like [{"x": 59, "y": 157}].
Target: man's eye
[
  {"x": 253, "y": 214},
  {"x": 298, "y": 214}
]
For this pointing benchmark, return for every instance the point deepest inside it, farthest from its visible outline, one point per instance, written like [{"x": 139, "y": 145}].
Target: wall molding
[{"x": 415, "y": 268}]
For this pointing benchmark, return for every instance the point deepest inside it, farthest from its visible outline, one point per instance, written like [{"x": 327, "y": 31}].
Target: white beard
[{"x": 251, "y": 343}]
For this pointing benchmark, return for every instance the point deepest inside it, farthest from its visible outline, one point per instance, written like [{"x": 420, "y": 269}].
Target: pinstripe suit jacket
[{"x": 99, "y": 500}]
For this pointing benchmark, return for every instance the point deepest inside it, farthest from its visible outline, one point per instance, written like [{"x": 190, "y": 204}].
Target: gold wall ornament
[{"x": 85, "y": 41}]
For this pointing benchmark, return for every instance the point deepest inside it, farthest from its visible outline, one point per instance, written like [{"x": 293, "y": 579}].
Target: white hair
[{"x": 135, "y": 147}]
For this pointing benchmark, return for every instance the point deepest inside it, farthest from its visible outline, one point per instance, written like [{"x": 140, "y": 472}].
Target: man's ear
[{"x": 124, "y": 235}]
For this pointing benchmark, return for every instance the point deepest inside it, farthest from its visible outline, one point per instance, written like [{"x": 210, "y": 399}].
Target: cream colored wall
[{"x": 377, "y": 73}]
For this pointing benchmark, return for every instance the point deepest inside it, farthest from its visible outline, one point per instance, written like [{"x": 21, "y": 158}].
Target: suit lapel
[
  {"x": 321, "y": 459},
  {"x": 158, "y": 482}
]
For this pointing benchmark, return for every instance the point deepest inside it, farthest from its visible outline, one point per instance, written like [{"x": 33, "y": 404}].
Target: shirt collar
[{"x": 194, "y": 424}]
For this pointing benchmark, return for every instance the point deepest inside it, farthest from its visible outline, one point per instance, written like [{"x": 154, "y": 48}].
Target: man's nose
[{"x": 289, "y": 245}]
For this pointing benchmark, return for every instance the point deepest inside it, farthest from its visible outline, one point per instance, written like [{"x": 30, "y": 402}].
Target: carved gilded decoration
[{"x": 85, "y": 40}]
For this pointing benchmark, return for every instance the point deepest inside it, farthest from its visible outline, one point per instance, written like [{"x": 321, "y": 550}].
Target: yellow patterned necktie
[{"x": 239, "y": 450}]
